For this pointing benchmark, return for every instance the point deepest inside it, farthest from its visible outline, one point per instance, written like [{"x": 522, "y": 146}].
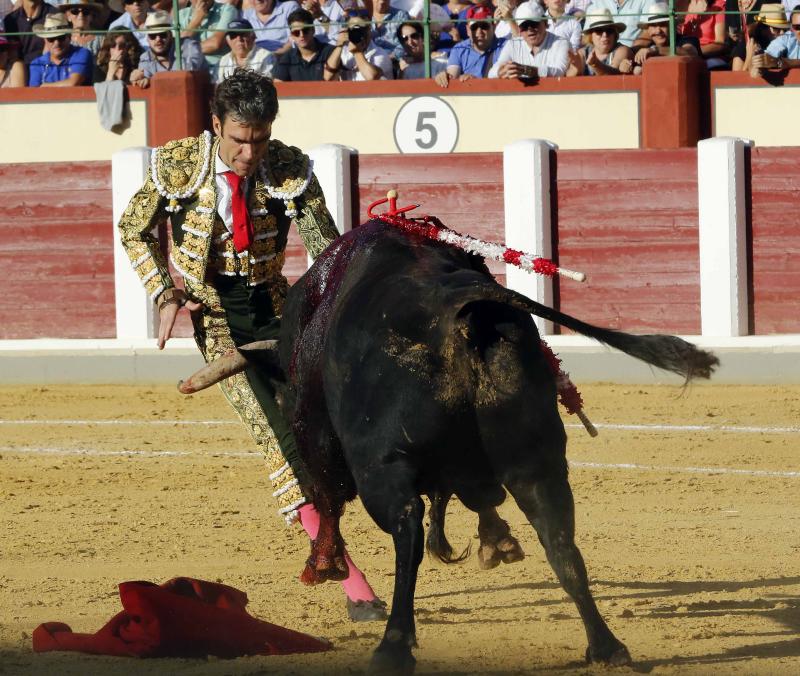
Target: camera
[{"x": 356, "y": 34}]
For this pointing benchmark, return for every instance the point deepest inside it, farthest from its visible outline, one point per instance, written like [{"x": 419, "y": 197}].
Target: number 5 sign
[{"x": 425, "y": 124}]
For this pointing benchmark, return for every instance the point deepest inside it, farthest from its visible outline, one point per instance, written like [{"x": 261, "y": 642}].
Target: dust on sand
[{"x": 696, "y": 567}]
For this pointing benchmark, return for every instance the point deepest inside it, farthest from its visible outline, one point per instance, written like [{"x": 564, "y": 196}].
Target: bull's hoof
[
  {"x": 394, "y": 661},
  {"x": 367, "y": 611},
  {"x": 615, "y": 654},
  {"x": 506, "y": 550}
]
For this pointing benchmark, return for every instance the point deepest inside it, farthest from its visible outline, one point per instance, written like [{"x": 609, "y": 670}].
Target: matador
[{"x": 230, "y": 198}]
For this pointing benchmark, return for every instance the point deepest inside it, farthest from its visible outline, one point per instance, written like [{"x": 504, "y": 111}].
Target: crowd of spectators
[{"x": 57, "y": 43}]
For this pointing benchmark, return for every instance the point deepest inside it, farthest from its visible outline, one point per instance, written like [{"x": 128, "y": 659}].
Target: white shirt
[
  {"x": 259, "y": 59},
  {"x": 416, "y": 71},
  {"x": 374, "y": 54},
  {"x": 337, "y": 21},
  {"x": 551, "y": 60},
  {"x": 566, "y": 27}
]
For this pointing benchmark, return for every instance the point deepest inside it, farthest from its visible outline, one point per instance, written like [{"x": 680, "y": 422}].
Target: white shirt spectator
[
  {"x": 551, "y": 60},
  {"x": 259, "y": 59},
  {"x": 635, "y": 9},
  {"x": 578, "y": 6},
  {"x": 126, "y": 22},
  {"x": 566, "y": 27},
  {"x": 328, "y": 32},
  {"x": 374, "y": 55}
]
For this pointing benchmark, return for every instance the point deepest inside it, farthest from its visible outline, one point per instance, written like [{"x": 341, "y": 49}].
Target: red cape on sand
[{"x": 183, "y": 617}]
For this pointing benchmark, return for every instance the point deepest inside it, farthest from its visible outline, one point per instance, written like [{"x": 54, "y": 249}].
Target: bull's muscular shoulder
[
  {"x": 288, "y": 168},
  {"x": 179, "y": 167}
]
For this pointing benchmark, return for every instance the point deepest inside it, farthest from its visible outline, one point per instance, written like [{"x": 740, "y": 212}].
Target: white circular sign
[{"x": 425, "y": 124}]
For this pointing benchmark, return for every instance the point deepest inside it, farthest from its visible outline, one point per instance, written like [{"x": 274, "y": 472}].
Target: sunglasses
[
  {"x": 57, "y": 38},
  {"x": 85, "y": 11},
  {"x": 411, "y": 36},
  {"x": 604, "y": 31},
  {"x": 480, "y": 26},
  {"x": 796, "y": 26},
  {"x": 240, "y": 36},
  {"x": 156, "y": 36},
  {"x": 297, "y": 32},
  {"x": 530, "y": 25},
  {"x": 134, "y": 2}
]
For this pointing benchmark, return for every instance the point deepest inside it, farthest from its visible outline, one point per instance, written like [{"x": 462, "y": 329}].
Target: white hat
[
  {"x": 158, "y": 22},
  {"x": 529, "y": 11},
  {"x": 602, "y": 19},
  {"x": 657, "y": 12},
  {"x": 54, "y": 25},
  {"x": 440, "y": 19}
]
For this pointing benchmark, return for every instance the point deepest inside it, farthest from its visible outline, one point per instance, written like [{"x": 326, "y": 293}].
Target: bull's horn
[{"x": 229, "y": 364}]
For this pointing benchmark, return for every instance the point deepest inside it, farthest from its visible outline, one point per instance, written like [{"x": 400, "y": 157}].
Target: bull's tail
[
  {"x": 663, "y": 351},
  {"x": 436, "y": 543}
]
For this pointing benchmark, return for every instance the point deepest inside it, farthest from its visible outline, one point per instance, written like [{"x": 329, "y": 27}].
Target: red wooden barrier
[
  {"x": 56, "y": 252},
  {"x": 628, "y": 219},
  {"x": 775, "y": 240}
]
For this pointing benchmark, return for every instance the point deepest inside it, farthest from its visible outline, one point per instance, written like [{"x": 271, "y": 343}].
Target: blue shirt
[
  {"x": 385, "y": 35},
  {"x": 191, "y": 57},
  {"x": 472, "y": 62},
  {"x": 785, "y": 46},
  {"x": 125, "y": 21},
  {"x": 630, "y": 13},
  {"x": 273, "y": 33},
  {"x": 77, "y": 60}
]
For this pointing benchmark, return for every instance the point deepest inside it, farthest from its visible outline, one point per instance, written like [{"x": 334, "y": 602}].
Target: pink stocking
[{"x": 355, "y": 586}]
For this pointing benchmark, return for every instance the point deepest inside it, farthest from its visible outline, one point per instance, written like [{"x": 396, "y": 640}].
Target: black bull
[{"x": 410, "y": 371}]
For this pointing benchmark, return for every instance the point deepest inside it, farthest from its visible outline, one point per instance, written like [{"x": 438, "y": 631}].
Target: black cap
[{"x": 238, "y": 25}]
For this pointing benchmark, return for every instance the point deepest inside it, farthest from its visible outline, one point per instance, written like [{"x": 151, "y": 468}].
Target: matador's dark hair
[{"x": 246, "y": 96}]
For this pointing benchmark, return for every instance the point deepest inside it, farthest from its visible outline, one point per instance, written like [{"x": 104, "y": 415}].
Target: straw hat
[
  {"x": 54, "y": 25},
  {"x": 603, "y": 19},
  {"x": 158, "y": 22},
  {"x": 773, "y": 15},
  {"x": 657, "y": 12},
  {"x": 72, "y": 4}
]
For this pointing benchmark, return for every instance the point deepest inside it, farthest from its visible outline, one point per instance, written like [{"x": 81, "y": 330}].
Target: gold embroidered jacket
[{"x": 181, "y": 186}]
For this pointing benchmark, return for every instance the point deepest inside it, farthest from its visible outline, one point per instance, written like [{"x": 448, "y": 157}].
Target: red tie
[{"x": 242, "y": 225}]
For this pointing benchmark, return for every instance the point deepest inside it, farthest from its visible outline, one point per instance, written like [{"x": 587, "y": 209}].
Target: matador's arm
[{"x": 143, "y": 214}]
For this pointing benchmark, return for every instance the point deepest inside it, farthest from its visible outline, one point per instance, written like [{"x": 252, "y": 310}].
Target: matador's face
[{"x": 242, "y": 146}]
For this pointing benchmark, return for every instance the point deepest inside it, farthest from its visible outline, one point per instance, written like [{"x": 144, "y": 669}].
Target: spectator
[
  {"x": 307, "y": 60},
  {"x": 441, "y": 30},
  {"x": 118, "y": 56},
  {"x": 386, "y": 19},
  {"x": 505, "y": 26},
  {"x": 742, "y": 14},
  {"x": 538, "y": 53},
  {"x": 474, "y": 57},
  {"x": 457, "y": 11},
  {"x": 83, "y": 15},
  {"x": 412, "y": 65},
  {"x": 602, "y": 53},
  {"x": 706, "y": 21},
  {"x": 465, "y": 15},
  {"x": 577, "y": 8},
  {"x": 271, "y": 22},
  {"x": 771, "y": 23},
  {"x": 160, "y": 55},
  {"x": 655, "y": 38},
  {"x": 29, "y": 14},
  {"x": 329, "y": 19},
  {"x": 206, "y": 21},
  {"x": 133, "y": 19},
  {"x": 108, "y": 14},
  {"x": 356, "y": 57},
  {"x": 783, "y": 52},
  {"x": 244, "y": 52},
  {"x": 561, "y": 24},
  {"x": 12, "y": 71},
  {"x": 629, "y": 12},
  {"x": 64, "y": 64}
]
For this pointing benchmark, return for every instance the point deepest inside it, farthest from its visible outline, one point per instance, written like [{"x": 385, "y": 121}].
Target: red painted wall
[
  {"x": 56, "y": 251},
  {"x": 775, "y": 240},
  {"x": 628, "y": 219}
]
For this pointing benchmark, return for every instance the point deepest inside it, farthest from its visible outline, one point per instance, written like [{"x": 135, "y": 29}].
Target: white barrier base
[{"x": 744, "y": 360}]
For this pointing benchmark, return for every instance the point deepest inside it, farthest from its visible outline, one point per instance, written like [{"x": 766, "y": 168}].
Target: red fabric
[
  {"x": 478, "y": 12},
  {"x": 703, "y": 26},
  {"x": 183, "y": 617},
  {"x": 242, "y": 224}
]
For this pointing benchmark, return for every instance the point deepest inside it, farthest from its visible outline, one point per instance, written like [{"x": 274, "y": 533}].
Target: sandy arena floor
[{"x": 691, "y": 537}]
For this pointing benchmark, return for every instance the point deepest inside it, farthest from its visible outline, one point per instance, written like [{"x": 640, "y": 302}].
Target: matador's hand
[{"x": 168, "y": 313}]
